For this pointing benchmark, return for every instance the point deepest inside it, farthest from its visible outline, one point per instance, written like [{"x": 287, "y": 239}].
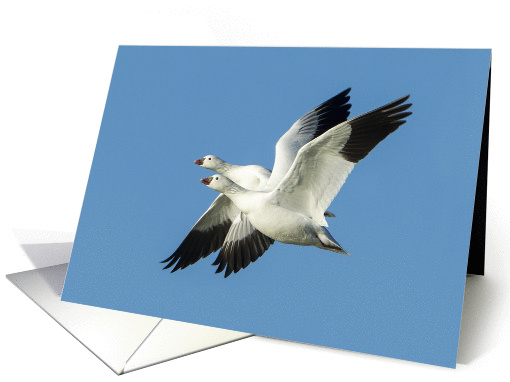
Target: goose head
[
  {"x": 219, "y": 183},
  {"x": 210, "y": 162}
]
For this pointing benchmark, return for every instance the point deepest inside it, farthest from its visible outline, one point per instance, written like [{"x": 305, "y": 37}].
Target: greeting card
[{"x": 319, "y": 195}]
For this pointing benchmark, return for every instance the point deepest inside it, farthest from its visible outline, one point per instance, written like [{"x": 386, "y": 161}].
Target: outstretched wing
[
  {"x": 243, "y": 245},
  {"x": 314, "y": 123},
  {"x": 322, "y": 165},
  {"x": 206, "y": 236}
]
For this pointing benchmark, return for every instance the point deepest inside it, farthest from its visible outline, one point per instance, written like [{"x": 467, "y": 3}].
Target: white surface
[
  {"x": 123, "y": 341},
  {"x": 57, "y": 60},
  {"x": 172, "y": 339},
  {"x": 111, "y": 335}
]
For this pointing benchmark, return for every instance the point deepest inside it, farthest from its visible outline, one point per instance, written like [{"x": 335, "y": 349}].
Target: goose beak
[
  {"x": 206, "y": 181},
  {"x": 200, "y": 161}
]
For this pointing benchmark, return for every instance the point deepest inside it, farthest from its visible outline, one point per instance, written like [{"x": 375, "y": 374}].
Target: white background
[{"x": 56, "y": 60}]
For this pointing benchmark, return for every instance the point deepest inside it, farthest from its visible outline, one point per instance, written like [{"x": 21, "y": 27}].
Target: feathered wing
[
  {"x": 322, "y": 165},
  {"x": 314, "y": 123},
  {"x": 206, "y": 236},
  {"x": 243, "y": 245}
]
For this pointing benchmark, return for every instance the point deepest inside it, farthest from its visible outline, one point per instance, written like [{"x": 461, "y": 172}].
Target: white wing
[
  {"x": 310, "y": 126},
  {"x": 322, "y": 165},
  {"x": 206, "y": 236}
]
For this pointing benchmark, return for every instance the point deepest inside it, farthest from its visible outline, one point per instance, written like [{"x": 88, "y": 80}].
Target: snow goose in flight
[
  {"x": 293, "y": 212},
  {"x": 223, "y": 225}
]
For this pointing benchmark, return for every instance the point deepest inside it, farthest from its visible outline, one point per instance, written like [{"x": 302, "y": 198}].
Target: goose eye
[
  {"x": 209, "y": 158},
  {"x": 216, "y": 178}
]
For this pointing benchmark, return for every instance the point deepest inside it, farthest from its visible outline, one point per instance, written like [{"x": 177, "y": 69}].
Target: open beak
[
  {"x": 200, "y": 161},
  {"x": 206, "y": 181}
]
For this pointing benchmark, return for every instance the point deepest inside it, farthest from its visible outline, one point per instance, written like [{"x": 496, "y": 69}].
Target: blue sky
[{"x": 404, "y": 213}]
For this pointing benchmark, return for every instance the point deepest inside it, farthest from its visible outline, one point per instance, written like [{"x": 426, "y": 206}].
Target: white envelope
[{"x": 123, "y": 341}]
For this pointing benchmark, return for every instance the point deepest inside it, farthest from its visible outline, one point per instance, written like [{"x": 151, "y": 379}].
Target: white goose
[
  {"x": 293, "y": 212},
  {"x": 223, "y": 225}
]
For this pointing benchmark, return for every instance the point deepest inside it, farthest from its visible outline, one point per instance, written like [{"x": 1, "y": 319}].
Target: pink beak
[
  {"x": 206, "y": 181},
  {"x": 200, "y": 161}
]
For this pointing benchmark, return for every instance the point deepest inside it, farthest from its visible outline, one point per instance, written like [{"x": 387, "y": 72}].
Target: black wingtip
[
  {"x": 329, "y": 113},
  {"x": 398, "y": 101},
  {"x": 403, "y": 115},
  {"x": 197, "y": 245},
  {"x": 220, "y": 262},
  {"x": 228, "y": 272},
  {"x": 404, "y": 98},
  {"x": 345, "y": 92},
  {"x": 374, "y": 126}
]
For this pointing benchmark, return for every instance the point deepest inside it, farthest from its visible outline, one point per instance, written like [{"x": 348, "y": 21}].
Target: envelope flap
[
  {"x": 184, "y": 338},
  {"x": 111, "y": 335}
]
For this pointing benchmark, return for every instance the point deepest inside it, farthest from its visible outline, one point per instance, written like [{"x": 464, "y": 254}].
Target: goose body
[{"x": 281, "y": 224}]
